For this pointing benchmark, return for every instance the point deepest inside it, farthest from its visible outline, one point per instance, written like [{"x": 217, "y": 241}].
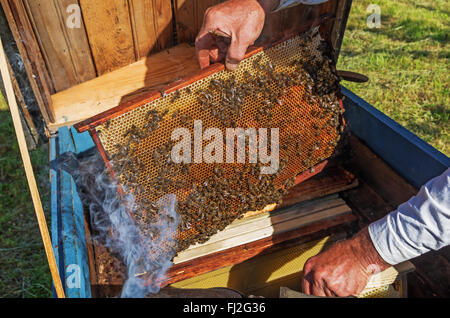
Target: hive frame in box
[
  {"x": 91, "y": 123},
  {"x": 133, "y": 108}
]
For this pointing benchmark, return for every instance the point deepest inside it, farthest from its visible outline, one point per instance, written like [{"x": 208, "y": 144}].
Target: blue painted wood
[
  {"x": 406, "y": 153},
  {"x": 55, "y": 211},
  {"x": 68, "y": 232},
  {"x": 82, "y": 142}
]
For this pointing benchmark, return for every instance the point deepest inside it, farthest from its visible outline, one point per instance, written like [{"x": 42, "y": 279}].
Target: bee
[
  {"x": 175, "y": 113},
  {"x": 175, "y": 96}
]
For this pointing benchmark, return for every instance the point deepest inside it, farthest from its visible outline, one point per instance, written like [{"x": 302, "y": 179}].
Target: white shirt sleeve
[
  {"x": 291, "y": 3},
  {"x": 420, "y": 225}
]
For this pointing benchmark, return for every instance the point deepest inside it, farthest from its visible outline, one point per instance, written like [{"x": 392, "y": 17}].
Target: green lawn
[
  {"x": 407, "y": 62},
  {"x": 23, "y": 268}
]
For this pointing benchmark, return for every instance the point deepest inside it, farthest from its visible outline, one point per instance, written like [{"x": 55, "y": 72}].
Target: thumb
[{"x": 235, "y": 54}]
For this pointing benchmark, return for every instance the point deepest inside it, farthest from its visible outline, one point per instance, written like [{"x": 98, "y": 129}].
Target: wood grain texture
[
  {"x": 337, "y": 32},
  {"x": 244, "y": 252},
  {"x": 29, "y": 50},
  {"x": 65, "y": 50},
  {"x": 189, "y": 16},
  {"x": 151, "y": 21},
  {"x": 379, "y": 175},
  {"x": 28, "y": 120},
  {"x": 265, "y": 225},
  {"x": 170, "y": 67},
  {"x": 110, "y": 34},
  {"x": 112, "y": 89},
  {"x": 333, "y": 179}
]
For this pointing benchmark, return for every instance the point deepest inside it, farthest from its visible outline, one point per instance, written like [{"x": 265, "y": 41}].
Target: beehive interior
[{"x": 291, "y": 86}]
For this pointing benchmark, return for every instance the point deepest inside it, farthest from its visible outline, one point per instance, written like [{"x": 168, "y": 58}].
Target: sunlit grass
[
  {"x": 23, "y": 266},
  {"x": 407, "y": 62}
]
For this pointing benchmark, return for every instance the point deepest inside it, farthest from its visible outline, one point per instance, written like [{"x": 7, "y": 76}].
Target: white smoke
[{"x": 146, "y": 251}]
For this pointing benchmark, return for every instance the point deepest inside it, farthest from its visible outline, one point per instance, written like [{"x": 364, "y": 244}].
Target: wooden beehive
[{"x": 112, "y": 57}]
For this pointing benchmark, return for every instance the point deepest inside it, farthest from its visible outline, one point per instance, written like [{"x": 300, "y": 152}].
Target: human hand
[
  {"x": 344, "y": 269},
  {"x": 229, "y": 28}
]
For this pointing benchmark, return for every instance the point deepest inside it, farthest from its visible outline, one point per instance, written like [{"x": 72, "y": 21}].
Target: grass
[
  {"x": 23, "y": 267},
  {"x": 407, "y": 61}
]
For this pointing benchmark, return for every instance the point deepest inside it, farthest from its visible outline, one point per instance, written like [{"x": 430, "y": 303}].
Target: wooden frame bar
[
  {"x": 68, "y": 224},
  {"x": 410, "y": 156}
]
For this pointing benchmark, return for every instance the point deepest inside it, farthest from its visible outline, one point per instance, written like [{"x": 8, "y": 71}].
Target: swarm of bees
[{"x": 208, "y": 204}]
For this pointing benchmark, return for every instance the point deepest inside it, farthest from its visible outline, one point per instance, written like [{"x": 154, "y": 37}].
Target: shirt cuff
[
  {"x": 387, "y": 243},
  {"x": 291, "y": 3}
]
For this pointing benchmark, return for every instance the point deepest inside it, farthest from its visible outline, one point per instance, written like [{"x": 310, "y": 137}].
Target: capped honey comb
[{"x": 291, "y": 86}]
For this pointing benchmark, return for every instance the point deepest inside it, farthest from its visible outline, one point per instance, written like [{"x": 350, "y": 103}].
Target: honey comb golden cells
[{"x": 291, "y": 86}]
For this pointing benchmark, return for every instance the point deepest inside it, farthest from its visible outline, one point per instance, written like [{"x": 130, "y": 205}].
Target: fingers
[
  {"x": 306, "y": 286},
  {"x": 203, "y": 44},
  {"x": 236, "y": 53}
]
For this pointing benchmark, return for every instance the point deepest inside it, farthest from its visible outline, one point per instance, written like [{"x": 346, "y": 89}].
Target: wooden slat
[
  {"x": 105, "y": 92},
  {"x": 244, "y": 252},
  {"x": 144, "y": 33},
  {"x": 151, "y": 21},
  {"x": 29, "y": 50},
  {"x": 162, "y": 12},
  {"x": 65, "y": 50},
  {"x": 379, "y": 175},
  {"x": 263, "y": 227},
  {"x": 337, "y": 32},
  {"x": 110, "y": 34},
  {"x": 67, "y": 215},
  {"x": 33, "y": 138},
  {"x": 39, "y": 211},
  {"x": 189, "y": 17},
  {"x": 186, "y": 20},
  {"x": 332, "y": 180}
]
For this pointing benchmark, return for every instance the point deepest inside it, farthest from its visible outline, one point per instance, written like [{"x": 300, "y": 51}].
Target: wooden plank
[
  {"x": 144, "y": 32},
  {"x": 260, "y": 229},
  {"x": 244, "y": 252},
  {"x": 65, "y": 50},
  {"x": 403, "y": 151},
  {"x": 29, "y": 50},
  {"x": 337, "y": 32},
  {"x": 33, "y": 138},
  {"x": 162, "y": 11},
  {"x": 72, "y": 227},
  {"x": 39, "y": 211},
  {"x": 151, "y": 21},
  {"x": 332, "y": 180},
  {"x": 186, "y": 20},
  {"x": 269, "y": 221},
  {"x": 367, "y": 203},
  {"x": 107, "y": 91},
  {"x": 68, "y": 224},
  {"x": 379, "y": 175},
  {"x": 272, "y": 27},
  {"x": 110, "y": 34},
  {"x": 189, "y": 16}
]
